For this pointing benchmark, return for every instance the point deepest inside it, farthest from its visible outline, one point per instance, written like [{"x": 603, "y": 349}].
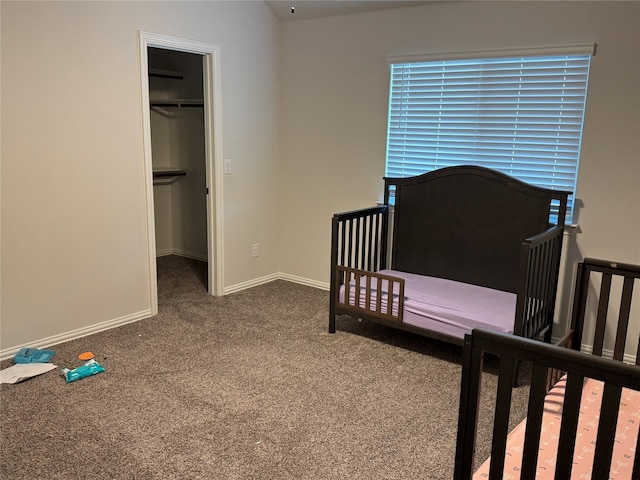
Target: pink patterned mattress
[
  {"x": 445, "y": 306},
  {"x": 625, "y": 442}
]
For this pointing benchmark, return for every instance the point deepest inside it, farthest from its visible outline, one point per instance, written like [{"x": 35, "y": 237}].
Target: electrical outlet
[
  {"x": 227, "y": 165},
  {"x": 254, "y": 250}
]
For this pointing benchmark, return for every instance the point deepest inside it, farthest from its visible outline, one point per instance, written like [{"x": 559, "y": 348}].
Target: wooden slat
[
  {"x": 343, "y": 239},
  {"x": 501, "y": 419},
  {"x": 537, "y": 393},
  {"x": 470, "y": 390},
  {"x": 376, "y": 243},
  {"x": 623, "y": 319},
  {"x": 357, "y": 247},
  {"x": 603, "y": 305},
  {"x": 606, "y": 432},
  {"x": 369, "y": 249},
  {"x": 569, "y": 425},
  {"x": 378, "y": 297}
]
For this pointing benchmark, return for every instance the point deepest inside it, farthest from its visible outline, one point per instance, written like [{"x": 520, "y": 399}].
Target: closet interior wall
[{"x": 178, "y": 152}]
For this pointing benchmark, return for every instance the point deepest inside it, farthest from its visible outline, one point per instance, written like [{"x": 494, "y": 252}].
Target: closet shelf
[
  {"x": 159, "y": 172},
  {"x": 167, "y": 173},
  {"x": 158, "y": 72},
  {"x": 177, "y": 102}
]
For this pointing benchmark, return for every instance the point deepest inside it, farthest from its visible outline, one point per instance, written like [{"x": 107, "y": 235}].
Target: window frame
[{"x": 530, "y": 173}]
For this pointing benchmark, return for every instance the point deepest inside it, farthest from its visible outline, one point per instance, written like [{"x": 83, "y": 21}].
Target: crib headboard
[{"x": 467, "y": 224}]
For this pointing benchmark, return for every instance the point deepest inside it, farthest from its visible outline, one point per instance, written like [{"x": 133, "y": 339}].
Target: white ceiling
[{"x": 305, "y": 9}]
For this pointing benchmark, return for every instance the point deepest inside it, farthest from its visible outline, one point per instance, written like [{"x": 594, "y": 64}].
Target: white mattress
[{"x": 448, "y": 307}]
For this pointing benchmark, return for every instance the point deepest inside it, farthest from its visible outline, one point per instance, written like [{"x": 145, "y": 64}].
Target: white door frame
[{"x": 213, "y": 154}]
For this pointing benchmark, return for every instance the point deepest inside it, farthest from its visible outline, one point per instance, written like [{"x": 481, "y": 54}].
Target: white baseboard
[
  {"x": 102, "y": 326},
  {"x": 77, "y": 333},
  {"x": 275, "y": 276},
  {"x": 630, "y": 359},
  {"x": 304, "y": 281},
  {"x": 251, "y": 283}
]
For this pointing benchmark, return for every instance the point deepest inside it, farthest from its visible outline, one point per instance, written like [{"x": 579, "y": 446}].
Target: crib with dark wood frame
[
  {"x": 609, "y": 364},
  {"x": 468, "y": 226}
]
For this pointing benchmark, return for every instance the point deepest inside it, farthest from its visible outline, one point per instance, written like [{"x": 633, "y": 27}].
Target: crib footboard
[
  {"x": 539, "y": 267},
  {"x": 358, "y": 242}
]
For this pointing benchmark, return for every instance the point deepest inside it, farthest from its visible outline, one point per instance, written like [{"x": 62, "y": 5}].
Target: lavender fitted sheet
[{"x": 445, "y": 306}]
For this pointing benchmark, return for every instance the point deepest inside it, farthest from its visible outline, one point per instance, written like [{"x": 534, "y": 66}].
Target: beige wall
[
  {"x": 74, "y": 238},
  {"x": 334, "y": 107},
  {"x": 304, "y": 119}
]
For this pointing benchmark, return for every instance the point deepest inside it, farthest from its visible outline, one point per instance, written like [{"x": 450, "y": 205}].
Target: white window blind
[{"x": 520, "y": 115}]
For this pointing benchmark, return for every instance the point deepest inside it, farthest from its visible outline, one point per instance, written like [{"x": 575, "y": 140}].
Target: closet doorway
[{"x": 181, "y": 99}]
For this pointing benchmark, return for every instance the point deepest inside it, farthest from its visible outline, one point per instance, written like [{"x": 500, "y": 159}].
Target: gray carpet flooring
[{"x": 246, "y": 386}]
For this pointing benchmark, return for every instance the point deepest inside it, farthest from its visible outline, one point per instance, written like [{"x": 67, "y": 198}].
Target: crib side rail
[
  {"x": 359, "y": 241},
  {"x": 536, "y": 295},
  {"x": 369, "y": 294}
]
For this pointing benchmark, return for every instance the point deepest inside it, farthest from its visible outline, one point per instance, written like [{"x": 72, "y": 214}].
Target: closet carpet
[{"x": 246, "y": 386}]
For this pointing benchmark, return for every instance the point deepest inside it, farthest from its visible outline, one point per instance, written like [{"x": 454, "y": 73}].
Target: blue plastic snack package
[
  {"x": 89, "y": 368},
  {"x": 33, "y": 355}
]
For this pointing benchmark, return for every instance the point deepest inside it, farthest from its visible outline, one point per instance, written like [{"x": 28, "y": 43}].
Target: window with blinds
[{"x": 521, "y": 115}]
